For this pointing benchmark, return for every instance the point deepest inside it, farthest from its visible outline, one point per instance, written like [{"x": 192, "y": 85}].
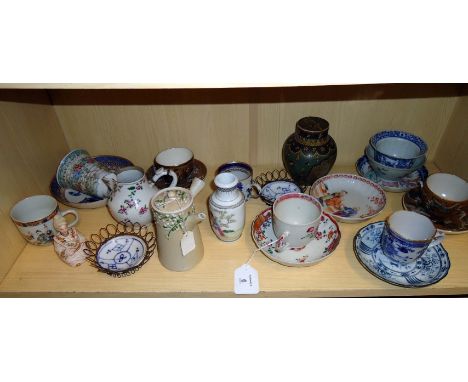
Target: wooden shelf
[{"x": 39, "y": 272}]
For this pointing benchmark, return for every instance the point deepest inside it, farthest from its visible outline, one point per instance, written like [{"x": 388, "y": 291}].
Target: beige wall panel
[
  {"x": 353, "y": 122},
  {"x": 31, "y": 146},
  {"x": 215, "y": 133},
  {"x": 452, "y": 155}
]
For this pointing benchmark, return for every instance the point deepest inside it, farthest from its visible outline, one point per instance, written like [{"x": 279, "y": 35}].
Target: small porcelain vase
[
  {"x": 130, "y": 200},
  {"x": 176, "y": 221},
  {"x": 227, "y": 208},
  {"x": 69, "y": 243}
]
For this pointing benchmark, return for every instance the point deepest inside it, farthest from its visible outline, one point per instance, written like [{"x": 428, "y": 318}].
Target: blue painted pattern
[
  {"x": 388, "y": 160},
  {"x": 429, "y": 269}
]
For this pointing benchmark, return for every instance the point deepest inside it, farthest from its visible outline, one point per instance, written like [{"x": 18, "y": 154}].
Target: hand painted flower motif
[{"x": 143, "y": 210}]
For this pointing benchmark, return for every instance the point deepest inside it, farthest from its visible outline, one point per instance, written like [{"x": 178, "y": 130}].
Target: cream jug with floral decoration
[
  {"x": 180, "y": 246},
  {"x": 130, "y": 200}
]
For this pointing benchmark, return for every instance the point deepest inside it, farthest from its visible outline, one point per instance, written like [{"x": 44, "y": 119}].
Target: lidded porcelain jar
[
  {"x": 130, "y": 200},
  {"x": 309, "y": 153},
  {"x": 227, "y": 208}
]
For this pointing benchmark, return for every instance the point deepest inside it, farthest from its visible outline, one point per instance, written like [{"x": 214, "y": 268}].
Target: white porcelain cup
[
  {"x": 296, "y": 217},
  {"x": 33, "y": 216},
  {"x": 407, "y": 235}
]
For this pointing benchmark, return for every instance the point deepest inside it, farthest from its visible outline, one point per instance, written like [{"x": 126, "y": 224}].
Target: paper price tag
[
  {"x": 187, "y": 244},
  {"x": 246, "y": 280}
]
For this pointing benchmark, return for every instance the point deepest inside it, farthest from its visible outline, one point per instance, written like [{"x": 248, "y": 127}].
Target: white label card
[
  {"x": 246, "y": 280},
  {"x": 187, "y": 244}
]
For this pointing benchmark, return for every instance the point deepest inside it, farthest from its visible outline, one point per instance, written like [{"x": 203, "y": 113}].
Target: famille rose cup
[
  {"x": 81, "y": 172},
  {"x": 407, "y": 235},
  {"x": 33, "y": 216},
  {"x": 296, "y": 217}
]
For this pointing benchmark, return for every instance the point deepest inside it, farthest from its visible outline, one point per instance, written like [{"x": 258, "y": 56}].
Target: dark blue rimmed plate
[
  {"x": 429, "y": 269},
  {"x": 77, "y": 199}
]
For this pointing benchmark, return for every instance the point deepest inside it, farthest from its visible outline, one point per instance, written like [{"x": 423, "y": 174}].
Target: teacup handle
[
  {"x": 257, "y": 189},
  {"x": 161, "y": 172},
  {"x": 72, "y": 212},
  {"x": 438, "y": 238},
  {"x": 281, "y": 244}
]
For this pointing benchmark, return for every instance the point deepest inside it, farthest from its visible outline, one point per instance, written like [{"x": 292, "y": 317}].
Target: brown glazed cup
[
  {"x": 178, "y": 159},
  {"x": 445, "y": 197}
]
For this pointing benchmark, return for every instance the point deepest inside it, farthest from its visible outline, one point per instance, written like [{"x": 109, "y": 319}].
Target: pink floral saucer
[{"x": 326, "y": 240}]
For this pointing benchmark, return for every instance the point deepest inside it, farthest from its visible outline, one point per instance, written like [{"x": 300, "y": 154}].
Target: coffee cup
[
  {"x": 176, "y": 162},
  {"x": 33, "y": 216},
  {"x": 407, "y": 235},
  {"x": 243, "y": 173},
  {"x": 445, "y": 197},
  {"x": 81, "y": 172},
  {"x": 296, "y": 217}
]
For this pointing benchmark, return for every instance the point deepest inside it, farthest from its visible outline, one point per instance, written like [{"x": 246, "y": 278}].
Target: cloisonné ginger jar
[{"x": 309, "y": 153}]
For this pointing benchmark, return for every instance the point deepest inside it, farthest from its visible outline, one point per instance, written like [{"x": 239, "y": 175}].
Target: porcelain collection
[{"x": 299, "y": 228}]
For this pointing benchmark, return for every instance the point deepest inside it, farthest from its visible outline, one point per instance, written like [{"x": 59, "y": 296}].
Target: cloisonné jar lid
[{"x": 312, "y": 128}]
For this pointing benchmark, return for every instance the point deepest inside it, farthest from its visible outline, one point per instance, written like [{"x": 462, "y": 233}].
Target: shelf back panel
[
  {"x": 243, "y": 131},
  {"x": 452, "y": 155}
]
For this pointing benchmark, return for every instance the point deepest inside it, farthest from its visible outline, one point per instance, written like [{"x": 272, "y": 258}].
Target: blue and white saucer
[
  {"x": 121, "y": 253},
  {"x": 77, "y": 199},
  {"x": 429, "y": 269},
  {"x": 404, "y": 184}
]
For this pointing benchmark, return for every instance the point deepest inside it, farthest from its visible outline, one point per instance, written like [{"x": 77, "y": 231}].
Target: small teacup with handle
[
  {"x": 33, "y": 216},
  {"x": 407, "y": 235},
  {"x": 445, "y": 197},
  {"x": 296, "y": 217}
]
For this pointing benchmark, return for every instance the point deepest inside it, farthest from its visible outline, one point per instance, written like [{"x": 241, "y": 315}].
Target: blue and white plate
[
  {"x": 77, "y": 199},
  {"x": 121, "y": 253},
  {"x": 429, "y": 269},
  {"x": 272, "y": 190},
  {"x": 399, "y": 185}
]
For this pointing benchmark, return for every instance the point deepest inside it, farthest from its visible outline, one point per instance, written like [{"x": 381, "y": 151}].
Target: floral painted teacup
[
  {"x": 296, "y": 217},
  {"x": 33, "y": 216},
  {"x": 407, "y": 235},
  {"x": 81, "y": 172}
]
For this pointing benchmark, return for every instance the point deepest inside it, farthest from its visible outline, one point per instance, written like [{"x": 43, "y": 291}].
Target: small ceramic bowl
[
  {"x": 271, "y": 184},
  {"x": 120, "y": 250},
  {"x": 270, "y": 191},
  {"x": 397, "y": 149},
  {"x": 387, "y": 172},
  {"x": 349, "y": 198}
]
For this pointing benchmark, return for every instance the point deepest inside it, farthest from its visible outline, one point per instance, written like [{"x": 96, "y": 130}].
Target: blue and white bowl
[
  {"x": 397, "y": 149},
  {"x": 387, "y": 172}
]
